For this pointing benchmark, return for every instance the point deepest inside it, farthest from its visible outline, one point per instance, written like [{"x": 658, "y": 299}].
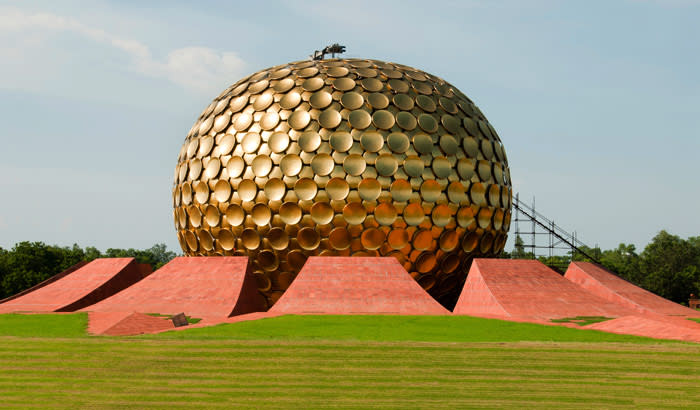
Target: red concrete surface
[
  {"x": 527, "y": 290},
  {"x": 50, "y": 280},
  {"x": 201, "y": 287},
  {"x": 86, "y": 285},
  {"x": 657, "y": 327},
  {"x": 126, "y": 323},
  {"x": 607, "y": 285},
  {"x": 355, "y": 285}
]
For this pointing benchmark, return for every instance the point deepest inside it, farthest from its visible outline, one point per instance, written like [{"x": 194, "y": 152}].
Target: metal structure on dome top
[
  {"x": 333, "y": 49},
  {"x": 346, "y": 157}
]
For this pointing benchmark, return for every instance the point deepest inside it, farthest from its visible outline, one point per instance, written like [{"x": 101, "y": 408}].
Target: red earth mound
[{"x": 356, "y": 285}]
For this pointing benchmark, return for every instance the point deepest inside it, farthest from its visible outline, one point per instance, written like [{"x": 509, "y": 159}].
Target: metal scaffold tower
[{"x": 543, "y": 238}]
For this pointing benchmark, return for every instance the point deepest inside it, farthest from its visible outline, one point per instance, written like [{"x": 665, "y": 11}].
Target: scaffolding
[{"x": 544, "y": 238}]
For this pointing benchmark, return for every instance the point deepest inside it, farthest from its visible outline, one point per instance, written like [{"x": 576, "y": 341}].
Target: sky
[{"x": 597, "y": 102}]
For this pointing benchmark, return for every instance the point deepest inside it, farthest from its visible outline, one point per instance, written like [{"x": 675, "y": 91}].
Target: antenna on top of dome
[{"x": 333, "y": 49}]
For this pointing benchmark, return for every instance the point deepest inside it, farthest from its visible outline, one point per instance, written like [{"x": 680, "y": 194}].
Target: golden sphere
[{"x": 344, "y": 157}]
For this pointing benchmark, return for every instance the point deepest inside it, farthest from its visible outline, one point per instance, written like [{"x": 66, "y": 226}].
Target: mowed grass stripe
[{"x": 306, "y": 371}]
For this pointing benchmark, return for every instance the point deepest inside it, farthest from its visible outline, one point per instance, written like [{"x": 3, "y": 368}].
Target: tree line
[
  {"x": 668, "y": 266},
  {"x": 29, "y": 263}
]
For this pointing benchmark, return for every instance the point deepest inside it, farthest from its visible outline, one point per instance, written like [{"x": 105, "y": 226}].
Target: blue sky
[{"x": 597, "y": 102}]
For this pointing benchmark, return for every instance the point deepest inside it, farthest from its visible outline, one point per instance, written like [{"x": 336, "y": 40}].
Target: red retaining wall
[
  {"x": 82, "y": 287},
  {"x": 201, "y": 287},
  {"x": 527, "y": 289},
  {"x": 356, "y": 285},
  {"x": 600, "y": 282}
]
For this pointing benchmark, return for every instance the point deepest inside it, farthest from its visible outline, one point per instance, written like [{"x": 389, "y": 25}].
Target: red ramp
[
  {"x": 355, "y": 285},
  {"x": 72, "y": 290},
  {"x": 202, "y": 287},
  {"x": 600, "y": 282},
  {"x": 527, "y": 290}
]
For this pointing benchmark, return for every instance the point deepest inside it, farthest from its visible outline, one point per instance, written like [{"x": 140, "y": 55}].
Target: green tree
[
  {"x": 625, "y": 262},
  {"x": 671, "y": 266}
]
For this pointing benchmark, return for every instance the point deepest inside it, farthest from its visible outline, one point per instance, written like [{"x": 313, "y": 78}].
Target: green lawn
[{"x": 342, "y": 361}]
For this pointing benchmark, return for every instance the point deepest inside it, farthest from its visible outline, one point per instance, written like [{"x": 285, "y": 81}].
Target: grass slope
[
  {"x": 321, "y": 362},
  {"x": 387, "y": 328}
]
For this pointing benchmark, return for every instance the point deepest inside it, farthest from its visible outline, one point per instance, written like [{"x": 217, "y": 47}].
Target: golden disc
[
  {"x": 371, "y": 84},
  {"x": 369, "y": 189},
  {"x": 262, "y": 165},
  {"x": 321, "y": 213},
  {"x": 383, "y": 119},
  {"x": 352, "y": 100},
  {"x": 422, "y": 239},
  {"x": 263, "y": 101},
  {"x": 354, "y": 164},
  {"x": 290, "y": 100},
  {"x": 291, "y": 164},
  {"x": 250, "y": 239},
  {"x": 441, "y": 215},
  {"x": 337, "y": 188},
  {"x": 329, "y": 118},
  {"x": 322, "y": 164},
  {"x": 401, "y": 190},
  {"x": 386, "y": 165},
  {"x": 430, "y": 190},
  {"x": 360, "y": 119},
  {"x": 372, "y": 238},
  {"x": 261, "y": 214},
  {"x": 250, "y": 142},
  {"x": 212, "y": 215},
  {"x": 378, "y": 101},
  {"x": 339, "y": 238},
  {"x": 309, "y": 141},
  {"x": 308, "y": 238},
  {"x": 406, "y": 120},
  {"x": 278, "y": 238},
  {"x": 242, "y": 121},
  {"x": 299, "y": 120},
  {"x": 398, "y": 238},
  {"x": 428, "y": 123},
  {"x": 372, "y": 141},
  {"x": 354, "y": 213},
  {"x": 235, "y": 215},
  {"x": 275, "y": 189},
  {"x": 426, "y": 262},
  {"x": 341, "y": 141},
  {"x": 451, "y": 123},
  {"x": 247, "y": 190},
  {"x": 278, "y": 141},
  {"x": 205, "y": 239},
  {"x": 201, "y": 192},
  {"x": 385, "y": 214},
  {"x": 413, "y": 166},
  {"x": 211, "y": 171},
  {"x": 305, "y": 189},
  {"x": 398, "y": 142},
  {"x": 226, "y": 239},
  {"x": 413, "y": 214},
  {"x": 442, "y": 167},
  {"x": 290, "y": 213},
  {"x": 313, "y": 84},
  {"x": 456, "y": 192},
  {"x": 423, "y": 143},
  {"x": 344, "y": 84},
  {"x": 320, "y": 99},
  {"x": 269, "y": 121}
]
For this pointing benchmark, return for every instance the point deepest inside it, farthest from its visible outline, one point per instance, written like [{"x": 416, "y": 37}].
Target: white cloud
[{"x": 199, "y": 69}]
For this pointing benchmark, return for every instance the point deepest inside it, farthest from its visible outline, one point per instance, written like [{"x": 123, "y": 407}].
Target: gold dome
[{"x": 344, "y": 157}]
